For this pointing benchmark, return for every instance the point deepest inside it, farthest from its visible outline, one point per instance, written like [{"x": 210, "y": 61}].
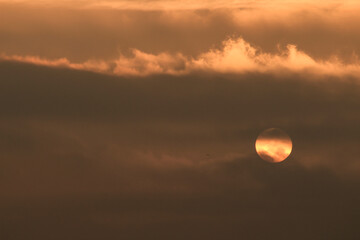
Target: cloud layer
[
  {"x": 235, "y": 56},
  {"x": 93, "y": 156},
  {"x": 80, "y": 35},
  {"x": 187, "y": 4}
]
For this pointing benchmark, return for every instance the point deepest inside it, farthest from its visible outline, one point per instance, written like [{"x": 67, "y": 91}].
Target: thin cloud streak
[
  {"x": 236, "y": 56},
  {"x": 91, "y": 65}
]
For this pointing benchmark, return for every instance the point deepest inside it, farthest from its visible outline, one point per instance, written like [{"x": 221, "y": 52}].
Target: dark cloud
[
  {"x": 89, "y": 156},
  {"x": 290, "y": 202}
]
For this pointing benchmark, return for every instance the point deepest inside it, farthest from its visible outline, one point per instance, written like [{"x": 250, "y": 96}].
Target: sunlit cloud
[
  {"x": 236, "y": 56},
  {"x": 91, "y": 65}
]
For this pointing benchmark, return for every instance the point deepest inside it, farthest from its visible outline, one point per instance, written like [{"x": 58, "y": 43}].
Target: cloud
[
  {"x": 165, "y": 115},
  {"x": 236, "y": 56},
  {"x": 101, "y": 34},
  {"x": 96, "y": 66},
  {"x": 147, "y": 156},
  {"x": 176, "y": 5}
]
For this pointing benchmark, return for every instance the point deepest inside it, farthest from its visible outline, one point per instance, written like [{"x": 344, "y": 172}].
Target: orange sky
[
  {"x": 137, "y": 119},
  {"x": 209, "y": 36},
  {"x": 187, "y": 4}
]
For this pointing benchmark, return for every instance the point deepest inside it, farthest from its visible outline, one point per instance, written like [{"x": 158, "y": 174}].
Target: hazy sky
[{"x": 138, "y": 119}]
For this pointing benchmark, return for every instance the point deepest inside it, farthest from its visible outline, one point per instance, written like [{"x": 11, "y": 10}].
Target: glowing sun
[{"x": 273, "y": 145}]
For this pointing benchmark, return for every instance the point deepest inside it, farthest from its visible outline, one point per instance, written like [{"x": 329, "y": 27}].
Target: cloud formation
[
  {"x": 101, "y": 34},
  {"x": 235, "y": 56}
]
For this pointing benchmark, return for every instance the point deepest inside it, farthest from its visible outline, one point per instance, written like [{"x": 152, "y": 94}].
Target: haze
[{"x": 137, "y": 119}]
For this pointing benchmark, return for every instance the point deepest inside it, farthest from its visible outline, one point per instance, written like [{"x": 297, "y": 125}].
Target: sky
[{"x": 138, "y": 119}]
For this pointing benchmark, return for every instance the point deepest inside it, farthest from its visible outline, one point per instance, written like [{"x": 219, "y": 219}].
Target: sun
[{"x": 273, "y": 145}]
